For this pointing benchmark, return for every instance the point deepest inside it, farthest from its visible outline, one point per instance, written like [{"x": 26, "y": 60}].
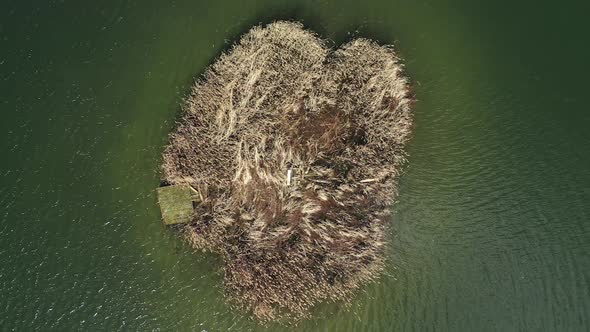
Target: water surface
[{"x": 491, "y": 230}]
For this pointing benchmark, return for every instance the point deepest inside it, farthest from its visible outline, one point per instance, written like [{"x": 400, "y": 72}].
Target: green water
[{"x": 491, "y": 231}]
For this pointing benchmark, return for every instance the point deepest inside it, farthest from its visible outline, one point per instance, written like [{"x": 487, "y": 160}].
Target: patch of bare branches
[{"x": 295, "y": 149}]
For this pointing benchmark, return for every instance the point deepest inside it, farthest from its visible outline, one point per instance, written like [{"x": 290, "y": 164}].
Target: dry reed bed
[{"x": 281, "y": 99}]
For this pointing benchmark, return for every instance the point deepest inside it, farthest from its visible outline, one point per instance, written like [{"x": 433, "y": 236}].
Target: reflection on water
[{"x": 490, "y": 229}]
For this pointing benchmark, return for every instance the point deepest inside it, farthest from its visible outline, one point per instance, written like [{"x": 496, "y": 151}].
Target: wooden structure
[{"x": 176, "y": 203}]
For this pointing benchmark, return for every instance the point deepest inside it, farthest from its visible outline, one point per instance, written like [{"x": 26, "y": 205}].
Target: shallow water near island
[{"x": 490, "y": 231}]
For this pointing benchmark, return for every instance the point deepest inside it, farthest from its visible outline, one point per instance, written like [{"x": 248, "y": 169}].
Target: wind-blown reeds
[{"x": 280, "y": 101}]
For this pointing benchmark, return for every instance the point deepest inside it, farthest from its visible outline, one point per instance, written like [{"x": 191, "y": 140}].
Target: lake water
[{"x": 491, "y": 231}]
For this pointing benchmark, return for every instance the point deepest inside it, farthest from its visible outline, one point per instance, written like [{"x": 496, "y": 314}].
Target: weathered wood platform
[{"x": 176, "y": 203}]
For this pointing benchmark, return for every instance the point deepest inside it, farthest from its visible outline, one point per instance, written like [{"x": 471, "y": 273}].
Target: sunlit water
[{"x": 491, "y": 230}]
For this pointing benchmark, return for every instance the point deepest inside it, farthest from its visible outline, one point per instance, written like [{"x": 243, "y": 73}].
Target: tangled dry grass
[{"x": 279, "y": 102}]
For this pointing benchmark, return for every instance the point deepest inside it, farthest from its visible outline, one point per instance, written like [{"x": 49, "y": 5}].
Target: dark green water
[{"x": 491, "y": 231}]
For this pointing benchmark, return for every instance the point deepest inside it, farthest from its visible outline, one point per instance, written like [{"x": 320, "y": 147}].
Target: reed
[{"x": 295, "y": 149}]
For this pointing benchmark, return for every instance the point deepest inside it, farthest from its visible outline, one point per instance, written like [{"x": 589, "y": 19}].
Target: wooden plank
[{"x": 176, "y": 204}]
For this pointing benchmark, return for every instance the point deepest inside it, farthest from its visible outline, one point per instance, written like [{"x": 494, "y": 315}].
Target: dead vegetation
[{"x": 281, "y": 100}]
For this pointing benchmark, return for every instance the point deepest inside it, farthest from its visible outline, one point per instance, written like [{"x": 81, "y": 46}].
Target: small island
[{"x": 288, "y": 154}]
